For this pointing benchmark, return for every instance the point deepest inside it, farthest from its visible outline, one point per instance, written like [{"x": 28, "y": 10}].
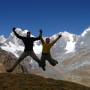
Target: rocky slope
[
  {"x": 7, "y": 59},
  {"x": 33, "y": 82}
]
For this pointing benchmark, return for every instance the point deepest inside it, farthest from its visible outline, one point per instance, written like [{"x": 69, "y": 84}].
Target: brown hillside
[
  {"x": 7, "y": 59},
  {"x": 32, "y": 82}
]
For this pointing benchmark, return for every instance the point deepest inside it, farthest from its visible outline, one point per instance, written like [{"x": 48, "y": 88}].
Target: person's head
[
  {"x": 28, "y": 34},
  {"x": 47, "y": 40}
]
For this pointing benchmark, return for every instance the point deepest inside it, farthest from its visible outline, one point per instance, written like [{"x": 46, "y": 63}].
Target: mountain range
[{"x": 72, "y": 52}]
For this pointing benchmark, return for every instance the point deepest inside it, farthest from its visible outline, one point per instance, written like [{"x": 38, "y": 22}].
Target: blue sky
[{"x": 52, "y": 16}]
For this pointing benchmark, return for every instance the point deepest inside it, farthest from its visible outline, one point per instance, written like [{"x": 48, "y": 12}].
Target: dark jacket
[{"x": 28, "y": 41}]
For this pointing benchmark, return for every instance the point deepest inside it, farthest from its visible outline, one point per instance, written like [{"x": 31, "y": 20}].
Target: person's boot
[
  {"x": 54, "y": 62},
  {"x": 9, "y": 70}
]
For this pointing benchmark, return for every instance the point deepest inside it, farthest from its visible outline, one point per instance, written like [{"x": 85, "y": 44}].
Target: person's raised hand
[
  {"x": 40, "y": 30},
  {"x": 60, "y": 35},
  {"x": 14, "y": 28}
]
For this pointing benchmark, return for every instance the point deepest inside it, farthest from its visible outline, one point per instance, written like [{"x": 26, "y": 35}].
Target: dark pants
[
  {"x": 49, "y": 59},
  {"x": 23, "y": 55}
]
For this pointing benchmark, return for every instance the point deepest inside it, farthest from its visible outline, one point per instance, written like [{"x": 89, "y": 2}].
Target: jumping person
[
  {"x": 28, "y": 51},
  {"x": 46, "y": 46}
]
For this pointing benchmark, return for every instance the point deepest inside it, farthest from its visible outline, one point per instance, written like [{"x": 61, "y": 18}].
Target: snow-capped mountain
[
  {"x": 2, "y": 40},
  {"x": 72, "y": 52}
]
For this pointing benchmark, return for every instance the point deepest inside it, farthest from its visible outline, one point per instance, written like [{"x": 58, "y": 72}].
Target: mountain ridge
[{"x": 72, "y": 52}]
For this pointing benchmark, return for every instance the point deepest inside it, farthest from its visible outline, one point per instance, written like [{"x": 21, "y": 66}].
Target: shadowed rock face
[{"x": 7, "y": 60}]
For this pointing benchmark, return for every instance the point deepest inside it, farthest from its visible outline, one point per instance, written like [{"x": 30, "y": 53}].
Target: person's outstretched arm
[
  {"x": 40, "y": 36},
  {"x": 53, "y": 42},
  {"x": 17, "y": 35}
]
